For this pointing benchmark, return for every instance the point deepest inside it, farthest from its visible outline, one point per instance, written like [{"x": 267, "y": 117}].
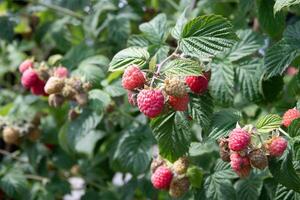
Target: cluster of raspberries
[
  {"x": 171, "y": 177},
  {"x": 174, "y": 93},
  {"x": 237, "y": 150},
  {"x": 55, "y": 83},
  {"x": 15, "y": 132}
]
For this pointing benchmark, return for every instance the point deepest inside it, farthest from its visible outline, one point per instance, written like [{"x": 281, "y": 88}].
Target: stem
[
  {"x": 8, "y": 154},
  {"x": 60, "y": 9},
  {"x": 284, "y": 133},
  {"x": 161, "y": 64},
  {"x": 37, "y": 178}
]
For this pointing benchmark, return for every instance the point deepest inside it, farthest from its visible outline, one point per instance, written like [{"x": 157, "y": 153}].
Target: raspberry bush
[{"x": 148, "y": 99}]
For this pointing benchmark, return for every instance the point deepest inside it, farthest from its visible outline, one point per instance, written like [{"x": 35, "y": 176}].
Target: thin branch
[
  {"x": 37, "y": 178},
  {"x": 284, "y": 133}
]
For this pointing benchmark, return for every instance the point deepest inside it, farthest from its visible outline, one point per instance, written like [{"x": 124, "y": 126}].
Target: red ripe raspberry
[
  {"x": 133, "y": 78},
  {"x": 289, "y": 116},
  {"x": 61, "y": 72},
  {"x": 277, "y": 146},
  {"x": 26, "y": 64},
  {"x": 131, "y": 98},
  {"x": 38, "y": 88},
  {"x": 162, "y": 177},
  {"x": 238, "y": 139},
  {"x": 198, "y": 84},
  {"x": 179, "y": 103},
  {"x": 241, "y": 165},
  {"x": 29, "y": 78},
  {"x": 150, "y": 102}
]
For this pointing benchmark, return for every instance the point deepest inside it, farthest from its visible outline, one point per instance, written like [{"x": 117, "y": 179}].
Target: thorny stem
[{"x": 159, "y": 66}]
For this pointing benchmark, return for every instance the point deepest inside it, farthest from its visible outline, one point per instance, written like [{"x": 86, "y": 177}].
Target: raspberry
[
  {"x": 11, "y": 135},
  {"x": 198, "y": 84},
  {"x": 175, "y": 87},
  {"x": 150, "y": 102},
  {"x": 277, "y": 146},
  {"x": 179, "y": 186},
  {"x": 239, "y": 164},
  {"x": 238, "y": 139},
  {"x": 61, "y": 72},
  {"x": 38, "y": 88},
  {"x": 162, "y": 177},
  {"x": 81, "y": 99},
  {"x": 26, "y": 64},
  {"x": 289, "y": 116},
  {"x": 55, "y": 100},
  {"x": 179, "y": 103},
  {"x": 224, "y": 150},
  {"x": 133, "y": 78},
  {"x": 157, "y": 162},
  {"x": 29, "y": 78},
  {"x": 258, "y": 159},
  {"x": 54, "y": 85},
  {"x": 181, "y": 165},
  {"x": 131, "y": 98}
]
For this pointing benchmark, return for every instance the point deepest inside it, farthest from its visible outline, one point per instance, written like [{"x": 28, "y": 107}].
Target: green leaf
[
  {"x": 249, "y": 79},
  {"x": 249, "y": 43},
  {"x": 7, "y": 28},
  {"x": 249, "y": 188},
  {"x": 133, "y": 151},
  {"x": 268, "y": 123},
  {"x": 180, "y": 23},
  {"x": 270, "y": 21},
  {"x": 206, "y": 36},
  {"x": 173, "y": 134},
  {"x": 201, "y": 109},
  {"x": 217, "y": 186},
  {"x": 284, "y": 172},
  {"x": 283, "y": 193},
  {"x": 127, "y": 57},
  {"x": 292, "y": 31},
  {"x": 98, "y": 99},
  {"x": 155, "y": 30},
  {"x": 223, "y": 122},
  {"x": 294, "y": 128},
  {"x": 222, "y": 81},
  {"x": 280, "y": 4},
  {"x": 195, "y": 175},
  {"x": 182, "y": 67},
  {"x": 280, "y": 56},
  {"x": 138, "y": 41},
  {"x": 14, "y": 183}
]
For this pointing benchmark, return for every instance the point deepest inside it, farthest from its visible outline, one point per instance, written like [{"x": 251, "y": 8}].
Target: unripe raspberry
[
  {"x": 224, "y": 150},
  {"x": 277, "y": 146},
  {"x": 289, "y": 116},
  {"x": 38, "y": 88},
  {"x": 29, "y": 78},
  {"x": 11, "y": 135},
  {"x": 54, "y": 85},
  {"x": 131, "y": 98},
  {"x": 68, "y": 92},
  {"x": 175, "y": 87},
  {"x": 133, "y": 78},
  {"x": 181, "y": 165},
  {"x": 241, "y": 165},
  {"x": 179, "y": 186},
  {"x": 197, "y": 84},
  {"x": 150, "y": 102},
  {"x": 55, "y": 100},
  {"x": 26, "y": 64},
  {"x": 258, "y": 159},
  {"x": 162, "y": 177},
  {"x": 179, "y": 103},
  {"x": 34, "y": 135},
  {"x": 238, "y": 139},
  {"x": 61, "y": 72},
  {"x": 157, "y": 162}
]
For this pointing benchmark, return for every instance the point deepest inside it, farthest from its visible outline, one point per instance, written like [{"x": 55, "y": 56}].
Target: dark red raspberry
[
  {"x": 277, "y": 146},
  {"x": 133, "y": 78},
  {"x": 150, "y": 102},
  {"x": 238, "y": 139},
  {"x": 38, "y": 88},
  {"x": 197, "y": 84},
  {"x": 26, "y": 64},
  {"x": 241, "y": 165},
  {"x": 162, "y": 177},
  {"x": 179, "y": 103},
  {"x": 29, "y": 78},
  {"x": 289, "y": 116}
]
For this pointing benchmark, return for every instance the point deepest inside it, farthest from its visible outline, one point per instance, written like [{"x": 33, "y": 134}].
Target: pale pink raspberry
[
  {"x": 289, "y": 116},
  {"x": 277, "y": 146},
  {"x": 150, "y": 102},
  {"x": 26, "y": 64},
  {"x": 61, "y": 72},
  {"x": 241, "y": 165},
  {"x": 238, "y": 139}
]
